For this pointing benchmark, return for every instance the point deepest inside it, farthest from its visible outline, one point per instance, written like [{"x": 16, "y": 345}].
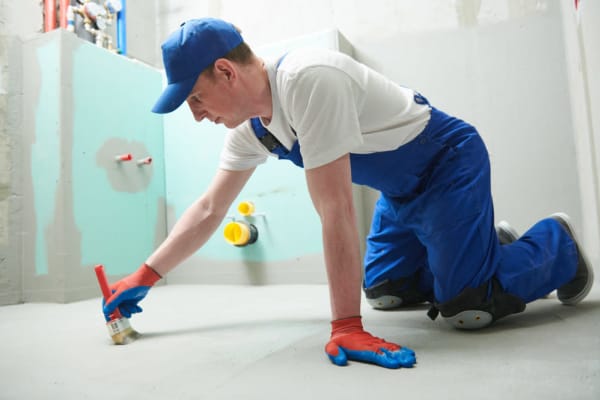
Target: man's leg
[
  {"x": 396, "y": 272},
  {"x": 476, "y": 280},
  {"x": 456, "y": 225},
  {"x": 555, "y": 261}
]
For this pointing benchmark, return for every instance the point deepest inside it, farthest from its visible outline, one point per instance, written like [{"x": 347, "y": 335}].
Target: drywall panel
[
  {"x": 83, "y": 107},
  {"x": 118, "y": 205},
  {"x": 289, "y": 247}
]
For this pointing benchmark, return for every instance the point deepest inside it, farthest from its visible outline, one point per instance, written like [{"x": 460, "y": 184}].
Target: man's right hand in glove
[
  {"x": 349, "y": 341},
  {"x": 129, "y": 291}
]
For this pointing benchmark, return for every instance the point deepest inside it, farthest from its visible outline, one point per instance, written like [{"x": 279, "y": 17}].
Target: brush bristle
[
  {"x": 127, "y": 336},
  {"x": 121, "y": 331}
]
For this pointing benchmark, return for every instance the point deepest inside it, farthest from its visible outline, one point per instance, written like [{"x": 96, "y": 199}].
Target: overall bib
[{"x": 433, "y": 225}]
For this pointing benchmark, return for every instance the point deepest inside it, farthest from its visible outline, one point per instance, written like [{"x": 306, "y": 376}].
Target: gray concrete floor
[{"x": 226, "y": 342}]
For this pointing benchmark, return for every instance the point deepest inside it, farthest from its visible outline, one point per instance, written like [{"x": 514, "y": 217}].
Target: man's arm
[
  {"x": 192, "y": 230},
  {"x": 330, "y": 188},
  {"x": 199, "y": 221}
]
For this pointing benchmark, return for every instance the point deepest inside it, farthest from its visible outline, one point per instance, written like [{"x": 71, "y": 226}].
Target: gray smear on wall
[
  {"x": 126, "y": 176},
  {"x": 61, "y": 283}
]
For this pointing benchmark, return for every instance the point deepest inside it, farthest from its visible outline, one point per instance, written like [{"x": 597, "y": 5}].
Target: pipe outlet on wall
[
  {"x": 144, "y": 161},
  {"x": 124, "y": 157},
  {"x": 240, "y": 233},
  {"x": 247, "y": 209}
]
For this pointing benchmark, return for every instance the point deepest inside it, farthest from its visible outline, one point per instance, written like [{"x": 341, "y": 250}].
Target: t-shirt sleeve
[
  {"x": 323, "y": 112},
  {"x": 242, "y": 150}
]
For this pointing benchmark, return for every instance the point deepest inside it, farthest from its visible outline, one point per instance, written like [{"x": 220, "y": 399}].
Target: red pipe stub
[{"x": 124, "y": 157}]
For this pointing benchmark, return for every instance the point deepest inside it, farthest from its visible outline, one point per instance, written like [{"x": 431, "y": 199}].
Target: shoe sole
[
  {"x": 566, "y": 221},
  {"x": 507, "y": 231}
]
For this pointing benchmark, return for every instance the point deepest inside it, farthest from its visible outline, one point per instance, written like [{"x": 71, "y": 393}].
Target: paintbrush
[{"x": 118, "y": 326}]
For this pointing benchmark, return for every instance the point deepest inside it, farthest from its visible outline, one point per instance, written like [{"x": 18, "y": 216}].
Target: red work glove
[
  {"x": 129, "y": 291},
  {"x": 349, "y": 341}
]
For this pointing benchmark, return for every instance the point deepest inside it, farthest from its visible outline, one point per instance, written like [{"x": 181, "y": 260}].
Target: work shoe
[
  {"x": 506, "y": 233},
  {"x": 578, "y": 288}
]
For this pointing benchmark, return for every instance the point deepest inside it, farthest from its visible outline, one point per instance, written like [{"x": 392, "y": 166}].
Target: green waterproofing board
[
  {"x": 290, "y": 228},
  {"x": 117, "y": 206}
]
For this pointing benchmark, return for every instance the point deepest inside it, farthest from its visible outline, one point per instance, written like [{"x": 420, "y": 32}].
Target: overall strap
[{"x": 267, "y": 138}]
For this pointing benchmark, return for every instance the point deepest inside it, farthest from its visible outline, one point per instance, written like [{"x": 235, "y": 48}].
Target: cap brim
[{"x": 173, "y": 96}]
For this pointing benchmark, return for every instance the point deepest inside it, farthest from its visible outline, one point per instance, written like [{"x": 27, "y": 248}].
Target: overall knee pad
[
  {"x": 393, "y": 294},
  {"x": 476, "y": 308}
]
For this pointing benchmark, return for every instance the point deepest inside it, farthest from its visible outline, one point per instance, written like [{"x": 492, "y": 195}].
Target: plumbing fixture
[{"x": 124, "y": 157}]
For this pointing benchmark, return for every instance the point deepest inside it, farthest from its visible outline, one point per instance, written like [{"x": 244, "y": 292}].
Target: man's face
[{"x": 213, "y": 98}]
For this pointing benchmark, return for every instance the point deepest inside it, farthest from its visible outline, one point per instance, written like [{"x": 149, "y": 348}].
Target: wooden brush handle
[{"x": 103, "y": 282}]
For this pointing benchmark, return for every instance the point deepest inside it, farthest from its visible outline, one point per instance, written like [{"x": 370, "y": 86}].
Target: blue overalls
[{"x": 435, "y": 219}]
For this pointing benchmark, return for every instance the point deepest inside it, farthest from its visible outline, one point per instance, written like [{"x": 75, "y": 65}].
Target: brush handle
[{"x": 103, "y": 282}]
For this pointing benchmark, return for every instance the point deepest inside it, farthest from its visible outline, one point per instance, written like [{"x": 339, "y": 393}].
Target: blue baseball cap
[{"x": 188, "y": 51}]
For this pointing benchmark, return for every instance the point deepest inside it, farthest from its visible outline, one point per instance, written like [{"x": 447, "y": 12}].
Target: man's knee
[
  {"x": 398, "y": 293},
  {"x": 476, "y": 308}
]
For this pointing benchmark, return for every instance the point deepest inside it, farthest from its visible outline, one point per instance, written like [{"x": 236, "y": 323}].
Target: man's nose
[{"x": 199, "y": 115}]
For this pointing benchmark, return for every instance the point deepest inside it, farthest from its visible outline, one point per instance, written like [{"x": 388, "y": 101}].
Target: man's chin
[{"x": 231, "y": 125}]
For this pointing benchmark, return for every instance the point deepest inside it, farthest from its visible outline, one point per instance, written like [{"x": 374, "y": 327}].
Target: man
[{"x": 432, "y": 236}]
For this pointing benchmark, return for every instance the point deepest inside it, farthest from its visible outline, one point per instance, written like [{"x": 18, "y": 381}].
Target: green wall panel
[
  {"x": 290, "y": 228},
  {"x": 116, "y": 205}
]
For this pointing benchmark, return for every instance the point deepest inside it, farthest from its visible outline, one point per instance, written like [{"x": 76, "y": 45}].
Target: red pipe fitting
[{"x": 124, "y": 157}]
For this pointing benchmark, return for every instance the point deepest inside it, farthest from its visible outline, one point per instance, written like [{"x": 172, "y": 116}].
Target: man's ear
[{"x": 225, "y": 68}]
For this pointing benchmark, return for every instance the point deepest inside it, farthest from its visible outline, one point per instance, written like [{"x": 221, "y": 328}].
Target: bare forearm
[
  {"x": 190, "y": 232},
  {"x": 331, "y": 192},
  {"x": 342, "y": 259},
  {"x": 199, "y": 221}
]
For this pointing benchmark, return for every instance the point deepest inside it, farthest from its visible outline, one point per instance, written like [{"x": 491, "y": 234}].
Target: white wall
[{"x": 582, "y": 46}]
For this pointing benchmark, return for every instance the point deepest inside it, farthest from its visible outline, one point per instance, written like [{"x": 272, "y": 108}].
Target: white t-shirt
[{"x": 335, "y": 105}]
